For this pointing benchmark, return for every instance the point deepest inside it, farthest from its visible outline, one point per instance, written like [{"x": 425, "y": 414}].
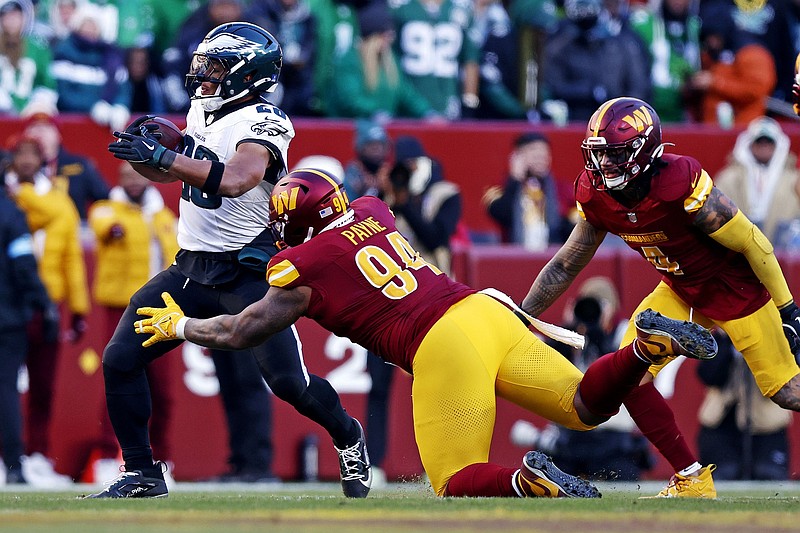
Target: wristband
[
  {"x": 180, "y": 327},
  {"x": 214, "y": 178},
  {"x": 166, "y": 160}
]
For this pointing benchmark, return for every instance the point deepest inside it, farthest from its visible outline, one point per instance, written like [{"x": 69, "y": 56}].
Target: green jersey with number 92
[{"x": 432, "y": 45}]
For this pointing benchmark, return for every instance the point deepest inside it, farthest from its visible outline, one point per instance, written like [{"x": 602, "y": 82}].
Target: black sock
[{"x": 321, "y": 404}]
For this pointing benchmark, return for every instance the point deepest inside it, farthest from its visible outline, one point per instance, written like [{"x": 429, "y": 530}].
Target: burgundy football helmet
[
  {"x": 303, "y": 203},
  {"x": 623, "y": 139}
]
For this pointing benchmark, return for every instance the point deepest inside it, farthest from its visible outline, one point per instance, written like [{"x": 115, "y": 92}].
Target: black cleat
[
  {"x": 539, "y": 477},
  {"x": 134, "y": 485},
  {"x": 658, "y": 336},
  {"x": 354, "y": 467}
]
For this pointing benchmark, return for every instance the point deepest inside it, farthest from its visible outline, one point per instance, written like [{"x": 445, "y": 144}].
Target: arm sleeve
[{"x": 741, "y": 235}]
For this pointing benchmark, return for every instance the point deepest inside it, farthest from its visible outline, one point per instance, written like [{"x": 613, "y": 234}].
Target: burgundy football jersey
[
  {"x": 708, "y": 276},
  {"x": 369, "y": 284}
]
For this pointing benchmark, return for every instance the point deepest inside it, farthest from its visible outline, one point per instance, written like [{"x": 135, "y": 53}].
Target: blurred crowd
[{"x": 715, "y": 61}]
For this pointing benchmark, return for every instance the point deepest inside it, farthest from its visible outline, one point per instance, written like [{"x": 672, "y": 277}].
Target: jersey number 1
[{"x": 193, "y": 194}]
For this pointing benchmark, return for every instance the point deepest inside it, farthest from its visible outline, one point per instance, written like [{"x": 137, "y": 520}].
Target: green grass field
[{"x": 403, "y": 507}]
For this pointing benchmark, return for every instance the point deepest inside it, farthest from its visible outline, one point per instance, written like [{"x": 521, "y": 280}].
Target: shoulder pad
[
  {"x": 677, "y": 178},
  {"x": 266, "y": 119}
]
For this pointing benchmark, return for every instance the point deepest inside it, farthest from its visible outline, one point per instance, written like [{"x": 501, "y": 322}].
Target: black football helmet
[
  {"x": 241, "y": 57},
  {"x": 303, "y": 203},
  {"x": 622, "y": 141}
]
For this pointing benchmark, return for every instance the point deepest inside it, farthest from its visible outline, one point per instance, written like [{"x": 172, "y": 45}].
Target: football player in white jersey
[{"x": 235, "y": 149}]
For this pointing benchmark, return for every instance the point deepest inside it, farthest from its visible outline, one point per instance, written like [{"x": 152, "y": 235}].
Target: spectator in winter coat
[{"x": 90, "y": 74}]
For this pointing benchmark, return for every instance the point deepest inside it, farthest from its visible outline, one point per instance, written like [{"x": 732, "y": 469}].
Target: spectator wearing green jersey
[
  {"x": 369, "y": 82},
  {"x": 439, "y": 47},
  {"x": 671, "y": 33},
  {"x": 337, "y": 29},
  {"x": 24, "y": 63}
]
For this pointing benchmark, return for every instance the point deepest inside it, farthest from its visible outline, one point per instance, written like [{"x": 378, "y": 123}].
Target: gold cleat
[{"x": 698, "y": 485}]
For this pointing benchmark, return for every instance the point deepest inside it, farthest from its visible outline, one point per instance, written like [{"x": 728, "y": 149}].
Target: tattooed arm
[
  {"x": 558, "y": 274},
  {"x": 276, "y": 311},
  {"x": 717, "y": 211}
]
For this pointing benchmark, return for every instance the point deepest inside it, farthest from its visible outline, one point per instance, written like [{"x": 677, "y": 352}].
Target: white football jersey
[{"x": 211, "y": 223}]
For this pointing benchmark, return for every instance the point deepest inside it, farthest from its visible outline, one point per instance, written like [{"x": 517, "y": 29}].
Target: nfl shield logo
[{"x": 632, "y": 217}]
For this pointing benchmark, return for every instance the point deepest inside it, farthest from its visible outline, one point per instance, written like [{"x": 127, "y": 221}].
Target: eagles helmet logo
[
  {"x": 240, "y": 58},
  {"x": 229, "y": 43}
]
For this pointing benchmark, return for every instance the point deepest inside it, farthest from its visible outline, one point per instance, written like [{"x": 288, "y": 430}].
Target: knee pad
[
  {"x": 119, "y": 359},
  {"x": 288, "y": 388}
]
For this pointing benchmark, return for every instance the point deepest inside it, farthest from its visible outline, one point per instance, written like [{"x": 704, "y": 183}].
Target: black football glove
[
  {"x": 138, "y": 148},
  {"x": 135, "y": 127},
  {"x": 790, "y": 316}
]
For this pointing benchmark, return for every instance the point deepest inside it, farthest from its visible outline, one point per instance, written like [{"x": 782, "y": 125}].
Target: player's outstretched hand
[
  {"x": 138, "y": 127},
  {"x": 137, "y": 149},
  {"x": 164, "y": 324},
  {"x": 790, "y": 316},
  {"x": 796, "y": 97}
]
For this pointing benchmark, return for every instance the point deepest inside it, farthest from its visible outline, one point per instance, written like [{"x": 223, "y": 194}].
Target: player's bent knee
[
  {"x": 581, "y": 418},
  {"x": 120, "y": 359},
  {"x": 287, "y": 388}
]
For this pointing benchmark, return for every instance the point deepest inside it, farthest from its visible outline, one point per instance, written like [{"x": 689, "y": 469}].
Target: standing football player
[
  {"x": 716, "y": 267},
  {"x": 348, "y": 268},
  {"x": 235, "y": 149}
]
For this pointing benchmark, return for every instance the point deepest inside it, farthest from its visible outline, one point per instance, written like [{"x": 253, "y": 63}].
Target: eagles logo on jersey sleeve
[{"x": 222, "y": 132}]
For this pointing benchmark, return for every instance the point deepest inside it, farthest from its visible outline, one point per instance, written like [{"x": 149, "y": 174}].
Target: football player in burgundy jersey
[
  {"x": 235, "y": 149},
  {"x": 716, "y": 267},
  {"x": 348, "y": 268}
]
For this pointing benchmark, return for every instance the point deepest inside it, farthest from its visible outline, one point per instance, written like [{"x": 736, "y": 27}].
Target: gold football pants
[
  {"x": 477, "y": 351},
  {"x": 758, "y": 336}
]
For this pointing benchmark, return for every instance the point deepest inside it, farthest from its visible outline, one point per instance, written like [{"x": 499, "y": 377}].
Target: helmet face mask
[
  {"x": 622, "y": 141},
  {"x": 304, "y": 203},
  {"x": 241, "y": 58}
]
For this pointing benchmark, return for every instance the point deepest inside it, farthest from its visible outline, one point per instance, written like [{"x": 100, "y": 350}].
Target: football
[{"x": 171, "y": 135}]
